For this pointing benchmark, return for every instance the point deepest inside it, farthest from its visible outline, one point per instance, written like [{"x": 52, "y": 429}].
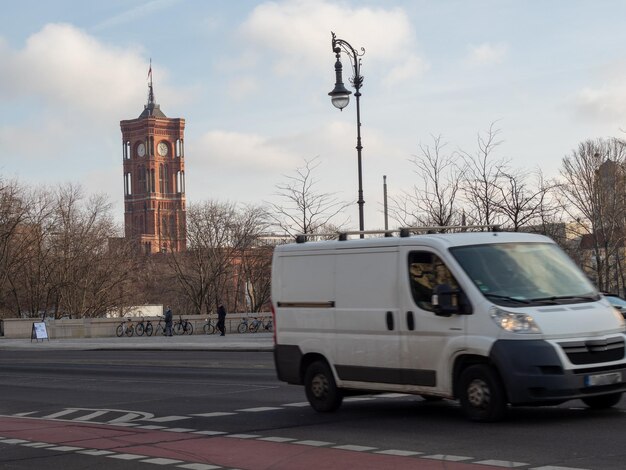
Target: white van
[{"x": 487, "y": 318}]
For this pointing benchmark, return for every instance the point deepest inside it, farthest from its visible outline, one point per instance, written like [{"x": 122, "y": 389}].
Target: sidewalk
[{"x": 232, "y": 342}]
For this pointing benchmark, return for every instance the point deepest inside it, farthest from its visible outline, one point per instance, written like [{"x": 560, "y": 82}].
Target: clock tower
[{"x": 154, "y": 179}]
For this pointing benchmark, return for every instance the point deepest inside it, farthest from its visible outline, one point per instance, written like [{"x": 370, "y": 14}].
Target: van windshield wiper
[
  {"x": 506, "y": 297},
  {"x": 556, "y": 298}
]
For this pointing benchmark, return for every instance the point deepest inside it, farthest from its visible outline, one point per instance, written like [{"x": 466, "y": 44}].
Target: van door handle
[
  {"x": 410, "y": 320},
  {"x": 390, "y": 321}
]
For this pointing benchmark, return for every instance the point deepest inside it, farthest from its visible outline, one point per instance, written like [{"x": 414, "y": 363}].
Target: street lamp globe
[{"x": 340, "y": 96}]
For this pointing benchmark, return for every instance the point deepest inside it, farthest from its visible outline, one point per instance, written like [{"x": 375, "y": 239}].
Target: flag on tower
[{"x": 150, "y": 70}]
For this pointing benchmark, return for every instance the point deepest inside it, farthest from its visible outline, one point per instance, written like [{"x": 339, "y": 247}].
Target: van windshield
[{"x": 518, "y": 274}]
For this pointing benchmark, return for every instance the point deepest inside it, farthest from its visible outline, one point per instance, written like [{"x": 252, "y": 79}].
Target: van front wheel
[
  {"x": 602, "y": 402},
  {"x": 481, "y": 394},
  {"x": 321, "y": 389}
]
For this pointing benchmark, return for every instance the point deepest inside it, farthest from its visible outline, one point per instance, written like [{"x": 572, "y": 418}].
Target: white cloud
[
  {"x": 298, "y": 35},
  {"x": 135, "y": 13},
  {"x": 487, "y": 53}
]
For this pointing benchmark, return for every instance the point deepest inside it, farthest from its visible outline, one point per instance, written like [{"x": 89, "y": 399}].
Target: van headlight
[{"x": 514, "y": 322}]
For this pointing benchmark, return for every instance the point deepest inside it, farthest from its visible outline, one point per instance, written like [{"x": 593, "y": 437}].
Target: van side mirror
[{"x": 448, "y": 301}]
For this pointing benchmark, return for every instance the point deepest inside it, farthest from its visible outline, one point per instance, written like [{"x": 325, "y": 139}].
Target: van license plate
[{"x": 603, "y": 379}]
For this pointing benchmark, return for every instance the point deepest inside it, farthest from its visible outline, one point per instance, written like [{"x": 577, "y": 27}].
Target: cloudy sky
[{"x": 251, "y": 80}]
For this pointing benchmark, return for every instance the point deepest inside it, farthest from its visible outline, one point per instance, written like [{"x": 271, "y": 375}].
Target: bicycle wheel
[
  {"x": 178, "y": 329},
  {"x": 159, "y": 330},
  {"x": 130, "y": 331},
  {"x": 208, "y": 328},
  {"x": 188, "y": 328},
  {"x": 148, "y": 329},
  {"x": 119, "y": 331},
  {"x": 254, "y": 327},
  {"x": 139, "y": 329},
  {"x": 242, "y": 328}
]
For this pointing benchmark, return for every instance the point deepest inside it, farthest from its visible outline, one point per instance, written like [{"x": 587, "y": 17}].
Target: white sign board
[{"x": 39, "y": 331}]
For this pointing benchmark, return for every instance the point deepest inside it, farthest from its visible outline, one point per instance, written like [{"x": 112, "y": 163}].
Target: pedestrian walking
[
  {"x": 221, "y": 319},
  {"x": 169, "y": 319}
]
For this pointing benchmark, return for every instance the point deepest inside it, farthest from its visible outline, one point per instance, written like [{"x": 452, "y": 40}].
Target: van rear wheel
[
  {"x": 321, "y": 388},
  {"x": 602, "y": 402},
  {"x": 481, "y": 394}
]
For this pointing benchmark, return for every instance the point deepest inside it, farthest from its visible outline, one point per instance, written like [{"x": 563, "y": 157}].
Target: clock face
[
  {"x": 162, "y": 149},
  {"x": 141, "y": 150}
]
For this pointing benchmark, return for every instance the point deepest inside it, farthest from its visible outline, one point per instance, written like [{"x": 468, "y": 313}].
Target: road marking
[
  {"x": 167, "y": 419},
  {"x": 151, "y": 427},
  {"x": 401, "y": 453},
  {"x": 353, "y": 399},
  {"x": 95, "y": 452},
  {"x": 60, "y": 413},
  {"x": 178, "y": 429},
  {"x": 66, "y": 448},
  {"x": 298, "y": 405},
  {"x": 277, "y": 439},
  {"x": 214, "y": 414},
  {"x": 13, "y": 441},
  {"x": 448, "y": 458},
  {"x": 39, "y": 445},
  {"x": 210, "y": 433},
  {"x": 243, "y": 436},
  {"x": 355, "y": 448},
  {"x": 26, "y": 414},
  {"x": 162, "y": 461},
  {"x": 124, "y": 418},
  {"x": 501, "y": 463},
  {"x": 550, "y": 467},
  {"x": 91, "y": 416},
  {"x": 127, "y": 456},
  {"x": 314, "y": 443},
  {"x": 199, "y": 466},
  {"x": 260, "y": 408}
]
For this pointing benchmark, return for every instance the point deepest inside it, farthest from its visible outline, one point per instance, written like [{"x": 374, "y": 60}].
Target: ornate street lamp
[{"x": 340, "y": 97}]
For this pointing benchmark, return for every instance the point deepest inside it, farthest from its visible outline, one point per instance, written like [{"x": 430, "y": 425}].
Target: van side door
[
  {"x": 366, "y": 316},
  {"x": 429, "y": 340}
]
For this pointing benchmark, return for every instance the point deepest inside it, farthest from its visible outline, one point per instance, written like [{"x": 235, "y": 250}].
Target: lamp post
[{"x": 340, "y": 97}]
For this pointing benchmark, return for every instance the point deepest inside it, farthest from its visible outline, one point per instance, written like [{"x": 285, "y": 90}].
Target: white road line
[
  {"x": 297, "y": 405},
  {"x": 355, "y": 448},
  {"x": 243, "y": 436},
  {"x": 314, "y": 443},
  {"x": 39, "y": 445},
  {"x": 124, "y": 424},
  {"x": 199, "y": 466},
  {"x": 259, "y": 409},
  {"x": 161, "y": 461},
  {"x": 178, "y": 430},
  {"x": 66, "y": 448},
  {"x": 448, "y": 458},
  {"x": 277, "y": 439},
  {"x": 551, "y": 467},
  {"x": 127, "y": 456},
  {"x": 210, "y": 433},
  {"x": 95, "y": 452},
  {"x": 214, "y": 414},
  {"x": 14, "y": 441},
  {"x": 501, "y": 463},
  {"x": 59, "y": 414},
  {"x": 90, "y": 416},
  {"x": 151, "y": 427},
  {"x": 167, "y": 419},
  {"x": 26, "y": 414},
  {"x": 401, "y": 453}
]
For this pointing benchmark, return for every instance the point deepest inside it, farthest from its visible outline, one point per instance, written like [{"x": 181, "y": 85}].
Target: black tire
[
  {"x": 159, "y": 330},
  {"x": 130, "y": 331},
  {"x": 149, "y": 329},
  {"x": 602, "y": 402},
  {"x": 481, "y": 394},
  {"x": 242, "y": 328},
  {"x": 321, "y": 388},
  {"x": 189, "y": 328},
  {"x": 178, "y": 329},
  {"x": 119, "y": 331},
  {"x": 253, "y": 328},
  {"x": 209, "y": 328},
  {"x": 139, "y": 329}
]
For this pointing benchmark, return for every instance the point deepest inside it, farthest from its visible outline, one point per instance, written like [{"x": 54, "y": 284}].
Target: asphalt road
[{"x": 205, "y": 410}]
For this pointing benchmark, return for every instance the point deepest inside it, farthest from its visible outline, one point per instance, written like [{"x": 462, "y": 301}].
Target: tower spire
[
  {"x": 152, "y": 108},
  {"x": 150, "y": 89}
]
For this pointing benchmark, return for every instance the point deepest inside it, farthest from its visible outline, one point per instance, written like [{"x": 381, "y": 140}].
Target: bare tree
[
  {"x": 434, "y": 201},
  {"x": 522, "y": 203},
  {"x": 593, "y": 192},
  {"x": 482, "y": 176},
  {"x": 302, "y": 209},
  {"x": 219, "y": 234}
]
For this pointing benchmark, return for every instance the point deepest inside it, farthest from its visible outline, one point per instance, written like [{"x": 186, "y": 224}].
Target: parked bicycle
[
  {"x": 209, "y": 327},
  {"x": 183, "y": 327},
  {"x": 141, "y": 328},
  {"x": 160, "y": 328},
  {"x": 125, "y": 328},
  {"x": 243, "y": 326},
  {"x": 258, "y": 324}
]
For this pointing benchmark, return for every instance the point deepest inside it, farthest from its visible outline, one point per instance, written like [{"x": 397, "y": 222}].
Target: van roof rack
[{"x": 404, "y": 231}]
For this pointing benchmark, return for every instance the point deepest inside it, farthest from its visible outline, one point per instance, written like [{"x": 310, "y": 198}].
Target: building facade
[{"x": 154, "y": 179}]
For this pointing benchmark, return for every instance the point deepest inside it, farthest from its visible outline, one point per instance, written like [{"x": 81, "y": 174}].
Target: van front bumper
[{"x": 533, "y": 373}]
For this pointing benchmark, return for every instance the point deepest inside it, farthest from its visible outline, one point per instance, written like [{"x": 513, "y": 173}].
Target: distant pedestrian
[
  {"x": 169, "y": 319},
  {"x": 221, "y": 319}
]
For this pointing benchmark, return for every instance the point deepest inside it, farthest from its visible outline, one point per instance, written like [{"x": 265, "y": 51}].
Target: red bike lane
[{"x": 228, "y": 452}]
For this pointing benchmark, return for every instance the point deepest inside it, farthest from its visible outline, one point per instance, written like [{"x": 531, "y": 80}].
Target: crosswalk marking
[
  {"x": 61, "y": 413},
  {"x": 91, "y": 416},
  {"x": 259, "y": 409}
]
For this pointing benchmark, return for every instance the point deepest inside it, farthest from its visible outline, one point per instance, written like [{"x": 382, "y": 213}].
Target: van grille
[{"x": 594, "y": 351}]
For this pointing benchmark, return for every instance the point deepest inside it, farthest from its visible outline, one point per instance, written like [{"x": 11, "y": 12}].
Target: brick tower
[{"x": 154, "y": 179}]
